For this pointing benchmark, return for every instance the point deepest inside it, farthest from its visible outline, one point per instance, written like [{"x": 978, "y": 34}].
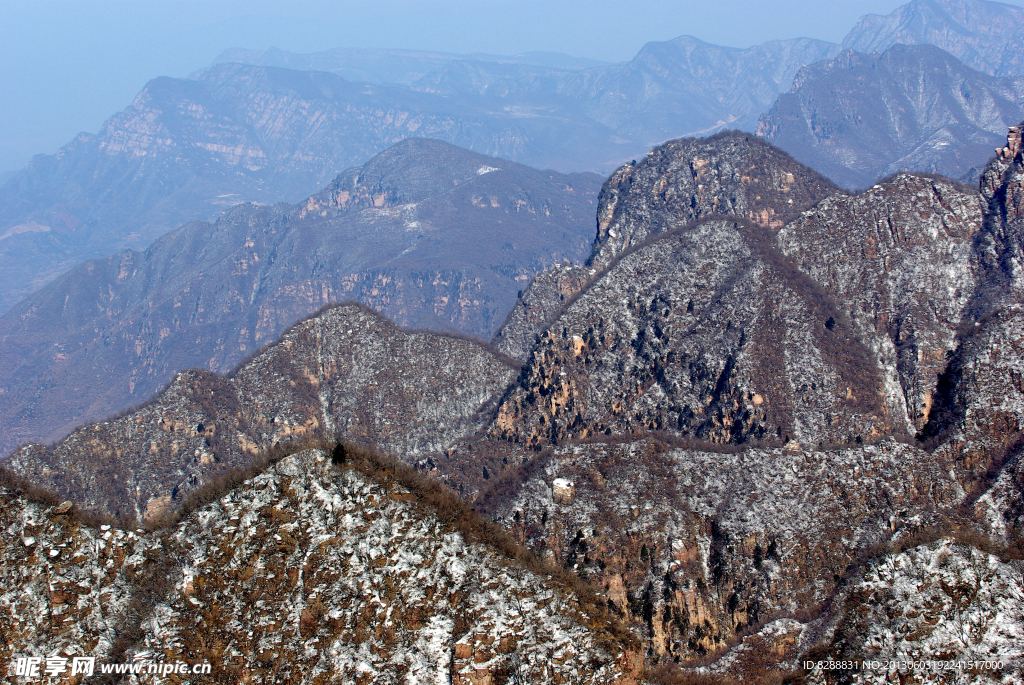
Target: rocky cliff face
[
  {"x": 859, "y": 117},
  {"x": 309, "y": 572},
  {"x": 980, "y": 412},
  {"x": 430, "y": 234},
  {"x": 695, "y": 546},
  {"x": 682, "y": 181},
  {"x": 705, "y": 331},
  {"x": 902, "y": 259},
  {"x": 346, "y": 372},
  {"x": 729, "y": 174}
]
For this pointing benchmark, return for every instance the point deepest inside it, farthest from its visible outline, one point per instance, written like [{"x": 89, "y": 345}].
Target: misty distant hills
[
  {"x": 987, "y": 36},
  {"x": 859, "y": 117},
  {"x": 671, "y": 88},
  {"x": 280, "y": 128},
  {"x": 391, "y": 67},
  {"x": 188, "y": 148},
  {"x": 432, "y": 235}
]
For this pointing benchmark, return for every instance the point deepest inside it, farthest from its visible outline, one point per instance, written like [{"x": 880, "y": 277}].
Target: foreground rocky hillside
[
  {"x": 308, "y": 572},
  {"x": 432, "y": 235},
  {"x": 859, "y": 117},
  {"x": 345, "y": 372},
  {"x": 698, "y": 545}
]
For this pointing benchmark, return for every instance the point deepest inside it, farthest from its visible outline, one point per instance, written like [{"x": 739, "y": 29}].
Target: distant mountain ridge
[
  {"x": 984, "y": 35},
  {"x": 188, "y": 148},
  {"x": 388, "y": 66},
  {"x": 913, "y": 107}
]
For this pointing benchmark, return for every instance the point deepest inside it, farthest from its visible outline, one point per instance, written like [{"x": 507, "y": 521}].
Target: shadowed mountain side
[
  {"x": 430, "y": 234},
  {"x": 860, "y": 117},
  {"x": 704, "y": 331},
  {"x": 347, "y": 371}
]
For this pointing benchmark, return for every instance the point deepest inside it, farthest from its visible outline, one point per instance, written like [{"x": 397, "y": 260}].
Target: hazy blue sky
[{"x": 68, "y": 65}]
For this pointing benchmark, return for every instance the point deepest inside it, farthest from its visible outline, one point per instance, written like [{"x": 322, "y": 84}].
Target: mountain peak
[
  {"x": 408, "y": 171},
  {"x": 731, "y": 173}
]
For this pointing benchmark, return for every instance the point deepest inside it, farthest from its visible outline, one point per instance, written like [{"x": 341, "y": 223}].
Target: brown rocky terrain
[
  {"x": 920, "y": 272},
  {"x": 902, "y": 259},
  {"x": 345, "y": 372},
  {"x": 763, "y": 442},
  {"x": 728, "y": 174},
  {"x": 682, "y": 181},
  {"x": 703, "y": 332},
  {"x": 429, "y": 234},
  {"x": 696, "y": 546}
]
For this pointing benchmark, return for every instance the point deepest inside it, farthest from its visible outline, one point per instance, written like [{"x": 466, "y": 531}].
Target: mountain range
[
  {"x": 760, "y": 434},
  {"x": 432, "y": 235},
  {"x": 736, "y": 423},
  {"x": 188, "y": 148},
  {"x": 985, "y": 36}
]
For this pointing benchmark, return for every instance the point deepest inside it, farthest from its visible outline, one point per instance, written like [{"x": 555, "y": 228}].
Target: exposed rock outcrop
[
  {"x": 706, "y": 331},
  {"x": 682, "y": 181},
  {"x": 902, "y": 259},
  {"x": 729, "y": 174},
  {"x": 694, "y": 546}
]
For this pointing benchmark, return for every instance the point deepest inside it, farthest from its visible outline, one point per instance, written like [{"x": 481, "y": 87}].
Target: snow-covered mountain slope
[{"x": 309, "y": 572}]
